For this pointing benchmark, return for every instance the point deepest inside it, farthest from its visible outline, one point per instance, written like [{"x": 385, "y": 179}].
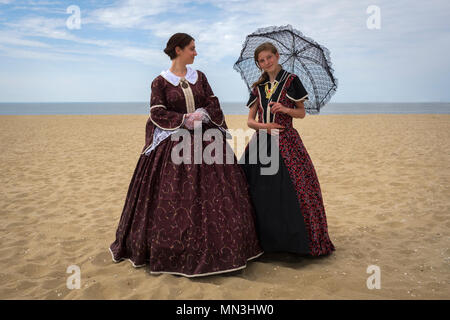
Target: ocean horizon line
[
  {"x": 365, "y": 102},
  {"x": 229, "y": 108}
]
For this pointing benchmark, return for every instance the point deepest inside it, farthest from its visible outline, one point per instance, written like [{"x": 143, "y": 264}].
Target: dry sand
[{"x": 385, "y": 181}]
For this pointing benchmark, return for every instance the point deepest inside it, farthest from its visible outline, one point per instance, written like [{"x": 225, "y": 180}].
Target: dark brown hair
[
  {"x": 266, "y": 46},
  {"x": 180, "y": 40}
]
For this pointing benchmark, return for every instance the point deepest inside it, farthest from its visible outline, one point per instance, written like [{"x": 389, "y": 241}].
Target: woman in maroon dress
[
  {"x": 185, "y": 219},
  {"x": 290, "y": 214}
]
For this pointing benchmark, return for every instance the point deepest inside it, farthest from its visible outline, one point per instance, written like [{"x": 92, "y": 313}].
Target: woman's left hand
[{"x": 277, "y": 107}]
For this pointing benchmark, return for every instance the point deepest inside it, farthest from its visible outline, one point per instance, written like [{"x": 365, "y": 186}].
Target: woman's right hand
[
  {"x": 271, "y": 126},
  {"x": 188, "y": 122},
  {"x": 191, "y": 118}
]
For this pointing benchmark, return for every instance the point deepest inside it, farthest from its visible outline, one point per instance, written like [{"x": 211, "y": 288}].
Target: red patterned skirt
[{"x": 290, "y": 213}]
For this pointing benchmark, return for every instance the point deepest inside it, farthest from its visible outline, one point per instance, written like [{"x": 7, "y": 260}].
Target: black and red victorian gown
[
  {"x": 290, "y": 214},
  {"x": 187, "y": 219}
]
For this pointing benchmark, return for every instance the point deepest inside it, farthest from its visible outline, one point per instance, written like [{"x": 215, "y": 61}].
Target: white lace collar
[{"x": 191, "y": 76}]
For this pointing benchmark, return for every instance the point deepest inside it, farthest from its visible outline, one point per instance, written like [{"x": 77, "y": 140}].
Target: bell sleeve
[
  {"x": 212, "y": 105},
  {"x": 160, "y": 115},
  {"x": 252, "y": 98},
  {"x": 296, "y": 92}
]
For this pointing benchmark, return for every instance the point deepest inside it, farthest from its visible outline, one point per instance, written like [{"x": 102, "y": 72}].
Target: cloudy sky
[{"x": 117, "y": 51}]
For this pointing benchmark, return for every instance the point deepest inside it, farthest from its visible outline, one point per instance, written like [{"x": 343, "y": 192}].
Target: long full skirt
[
  {"x": 290, "y": 214},
  {"x": 186, "y": 219}
]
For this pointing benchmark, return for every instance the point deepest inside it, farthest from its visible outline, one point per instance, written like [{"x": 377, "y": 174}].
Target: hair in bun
[{"x": 180, "y": 40}]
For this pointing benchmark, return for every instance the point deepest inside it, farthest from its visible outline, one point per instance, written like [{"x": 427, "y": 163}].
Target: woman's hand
[
  {"x": 277, "y": 107},
  {"x": 252, "y": 123},
  {"x": 273, "y": 126},
  {"x": 191, "y": 118},
  {"x": 196, "y": 116}
]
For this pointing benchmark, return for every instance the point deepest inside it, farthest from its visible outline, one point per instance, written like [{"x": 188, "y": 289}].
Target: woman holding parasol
[{"x": 289, "y": 206}]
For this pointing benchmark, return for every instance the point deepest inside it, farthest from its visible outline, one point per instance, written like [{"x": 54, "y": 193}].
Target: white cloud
[
  {"x": 37, "y": 55},
  {"x": 411, "y": 44},
  {"x": 131, "y": 13},
  {"x": 142, "y": 55},
  {"x": 55, "y": 29},
  {"x": 11, "y": 38},
  {"x": 41, "y": 27}
]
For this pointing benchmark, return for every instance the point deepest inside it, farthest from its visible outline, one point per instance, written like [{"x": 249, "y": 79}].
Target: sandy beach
[{"x": 385, "y": 181}]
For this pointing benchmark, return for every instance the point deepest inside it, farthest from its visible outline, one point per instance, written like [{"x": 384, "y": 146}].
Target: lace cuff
[
  {"x": 159, "y": 135},
  {"x": 205, "y": 114}
]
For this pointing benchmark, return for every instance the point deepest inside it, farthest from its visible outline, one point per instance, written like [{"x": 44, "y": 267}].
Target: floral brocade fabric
[
  {"x": 168, "y": 105},
  {"x": 185, "y": 219}
]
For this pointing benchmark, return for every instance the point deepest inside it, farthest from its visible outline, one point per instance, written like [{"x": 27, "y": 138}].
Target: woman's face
[
  {"x": 188, "y": 53},
  {"x": 268, "y": 61}
]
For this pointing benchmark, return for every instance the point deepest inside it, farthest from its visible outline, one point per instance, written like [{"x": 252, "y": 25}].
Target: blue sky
[{"x": 117, "y": 52}]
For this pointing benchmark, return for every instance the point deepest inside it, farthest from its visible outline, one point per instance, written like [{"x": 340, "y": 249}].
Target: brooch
[
  {"x": 270, "y": 91},
  {"x": 184, "y": 84}
]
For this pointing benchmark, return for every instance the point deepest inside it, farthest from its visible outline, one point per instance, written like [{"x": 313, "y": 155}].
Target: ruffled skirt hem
[{"x": 184, "y": 274}]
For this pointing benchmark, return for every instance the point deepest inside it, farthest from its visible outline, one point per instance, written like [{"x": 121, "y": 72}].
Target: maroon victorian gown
[
  {"x": 185, "y": 219},
  {"x": 290, "y": 214}
]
